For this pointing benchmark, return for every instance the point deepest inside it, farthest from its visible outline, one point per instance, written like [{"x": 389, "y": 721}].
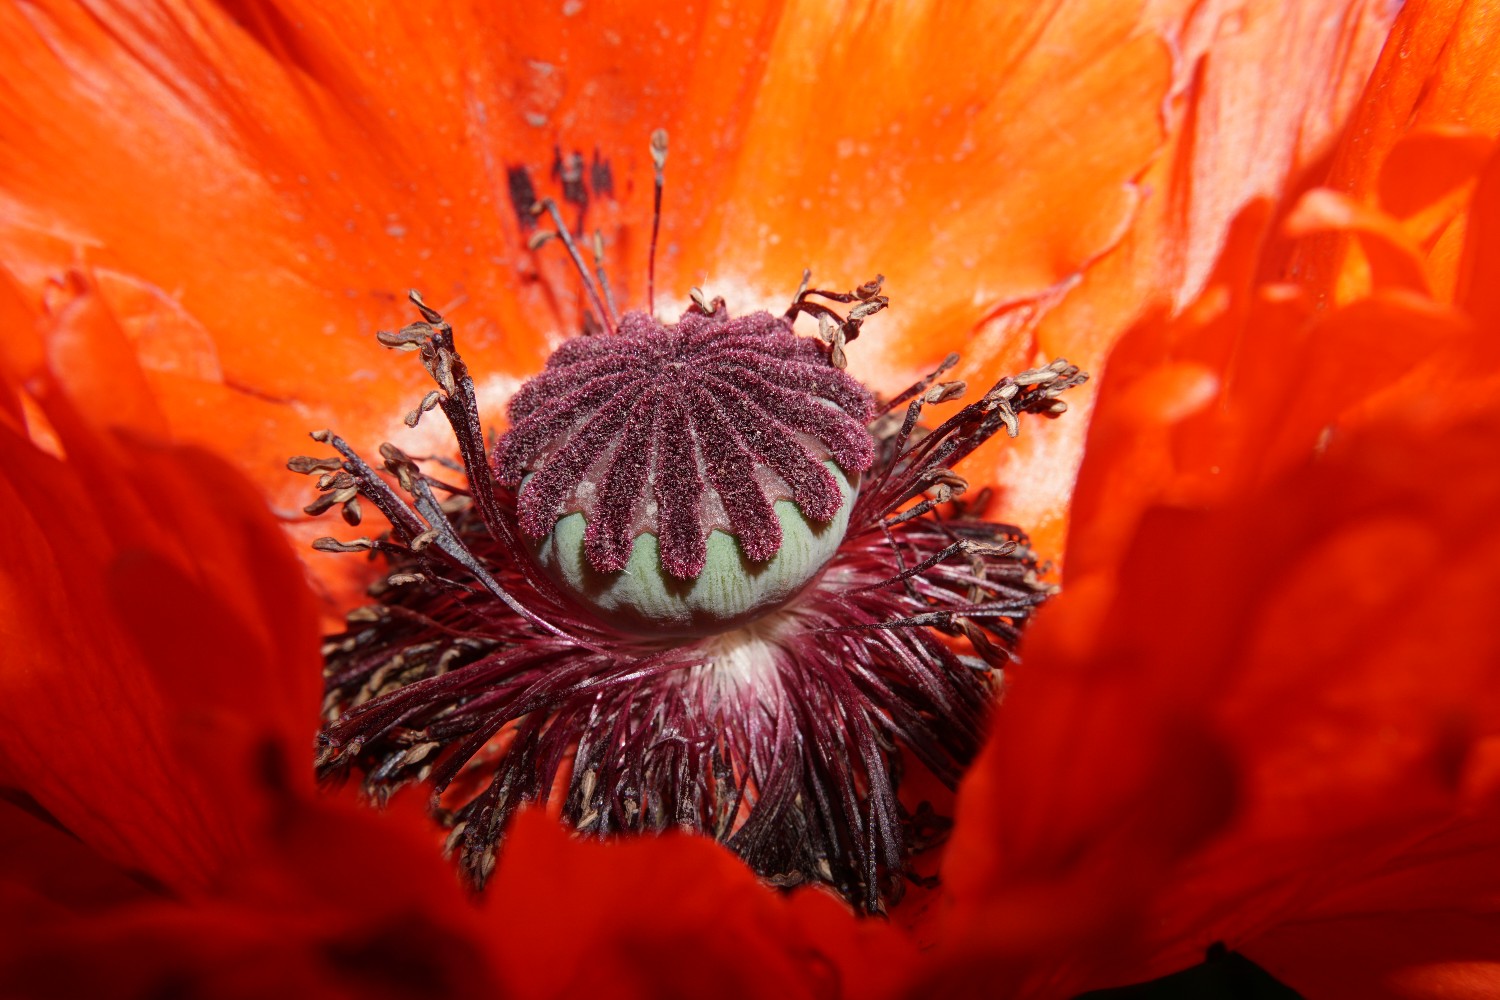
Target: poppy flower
[{"x": 1259, "y": 713}]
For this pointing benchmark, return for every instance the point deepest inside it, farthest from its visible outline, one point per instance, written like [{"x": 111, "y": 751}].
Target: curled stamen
[
  {"x": 703, "y": 582},
  {"x": 781, "y": 738}
]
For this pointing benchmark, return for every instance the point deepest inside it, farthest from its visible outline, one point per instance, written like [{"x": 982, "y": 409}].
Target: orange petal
[
  {"x": 970, "y": 175},
  {"x": 1162, "y": 439},
  {"x": 1279, "y": 617},
  {"x": 1389, "y": 259},
  {"x": 1223, "y": 151},
  {"x": 80, "y": 734},
  {"x": 20, "y": 348},
  {"x": 335, "y": 902},
  {"x": 1436, "y": 70},
  {"x": 279, "y": 175},
  {"x": 1435, "y": 73},
  {"x": 1230, "y": 150},
  {"x": 1289, "y": 377},
  {"x": 1398, "y": 956}
]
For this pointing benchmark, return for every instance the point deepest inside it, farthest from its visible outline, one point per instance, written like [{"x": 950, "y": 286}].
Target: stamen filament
[
  {"x": 659, "y": 161},
  {"x": 550, "y": 207}
]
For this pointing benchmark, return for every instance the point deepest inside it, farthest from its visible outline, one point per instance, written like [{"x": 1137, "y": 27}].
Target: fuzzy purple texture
[
  {"x": 668, "y": 406},
  {"x": 730, "y": 468},
  {"x": 476, "y": 676}
]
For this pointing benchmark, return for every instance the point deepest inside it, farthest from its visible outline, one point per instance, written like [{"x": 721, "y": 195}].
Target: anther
[
  {"x": 429, "y": 403},
  {"x": 408, "y": 338},
  {"x": 806, "y": 280},
  {"x": 945, "y": 391},
  {"x": 307, "y": 465},
  {"x": 1036, "y": 376},
  {"x": 331, "y": 544},
  {"x": 405, "y": 579}
]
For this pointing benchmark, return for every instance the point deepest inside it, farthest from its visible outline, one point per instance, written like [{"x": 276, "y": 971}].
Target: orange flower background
[{"x": 1263, "y": 712}]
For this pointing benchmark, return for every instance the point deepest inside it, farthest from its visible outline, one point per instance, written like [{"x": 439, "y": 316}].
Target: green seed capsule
[{"x": 731, "y": 588}]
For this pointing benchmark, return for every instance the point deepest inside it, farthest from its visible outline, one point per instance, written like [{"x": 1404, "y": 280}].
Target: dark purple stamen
[
  {"x": 784, "y": 739},
  {"x": 785, "y": 733}
]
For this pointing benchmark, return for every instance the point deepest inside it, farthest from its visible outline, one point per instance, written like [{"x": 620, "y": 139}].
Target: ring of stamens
[{"x": 785, "y": 739}]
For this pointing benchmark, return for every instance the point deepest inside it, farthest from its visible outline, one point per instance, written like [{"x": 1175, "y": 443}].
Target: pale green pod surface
[{"x": 729, "y": 591}]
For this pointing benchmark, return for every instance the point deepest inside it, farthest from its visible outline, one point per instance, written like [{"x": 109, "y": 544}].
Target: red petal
[
  {"x": 161, "y": 629},
  {"x": 1478, "y": 292},
  {"x": 375, "y": 916},
  {"x": 672, "y": 915},
  {"x": 43, "y": 867},
  {"x": 1413, "y": 931},
  {"x": 1300, "y": 626},
  {"x": 1276, "y": 603}
]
